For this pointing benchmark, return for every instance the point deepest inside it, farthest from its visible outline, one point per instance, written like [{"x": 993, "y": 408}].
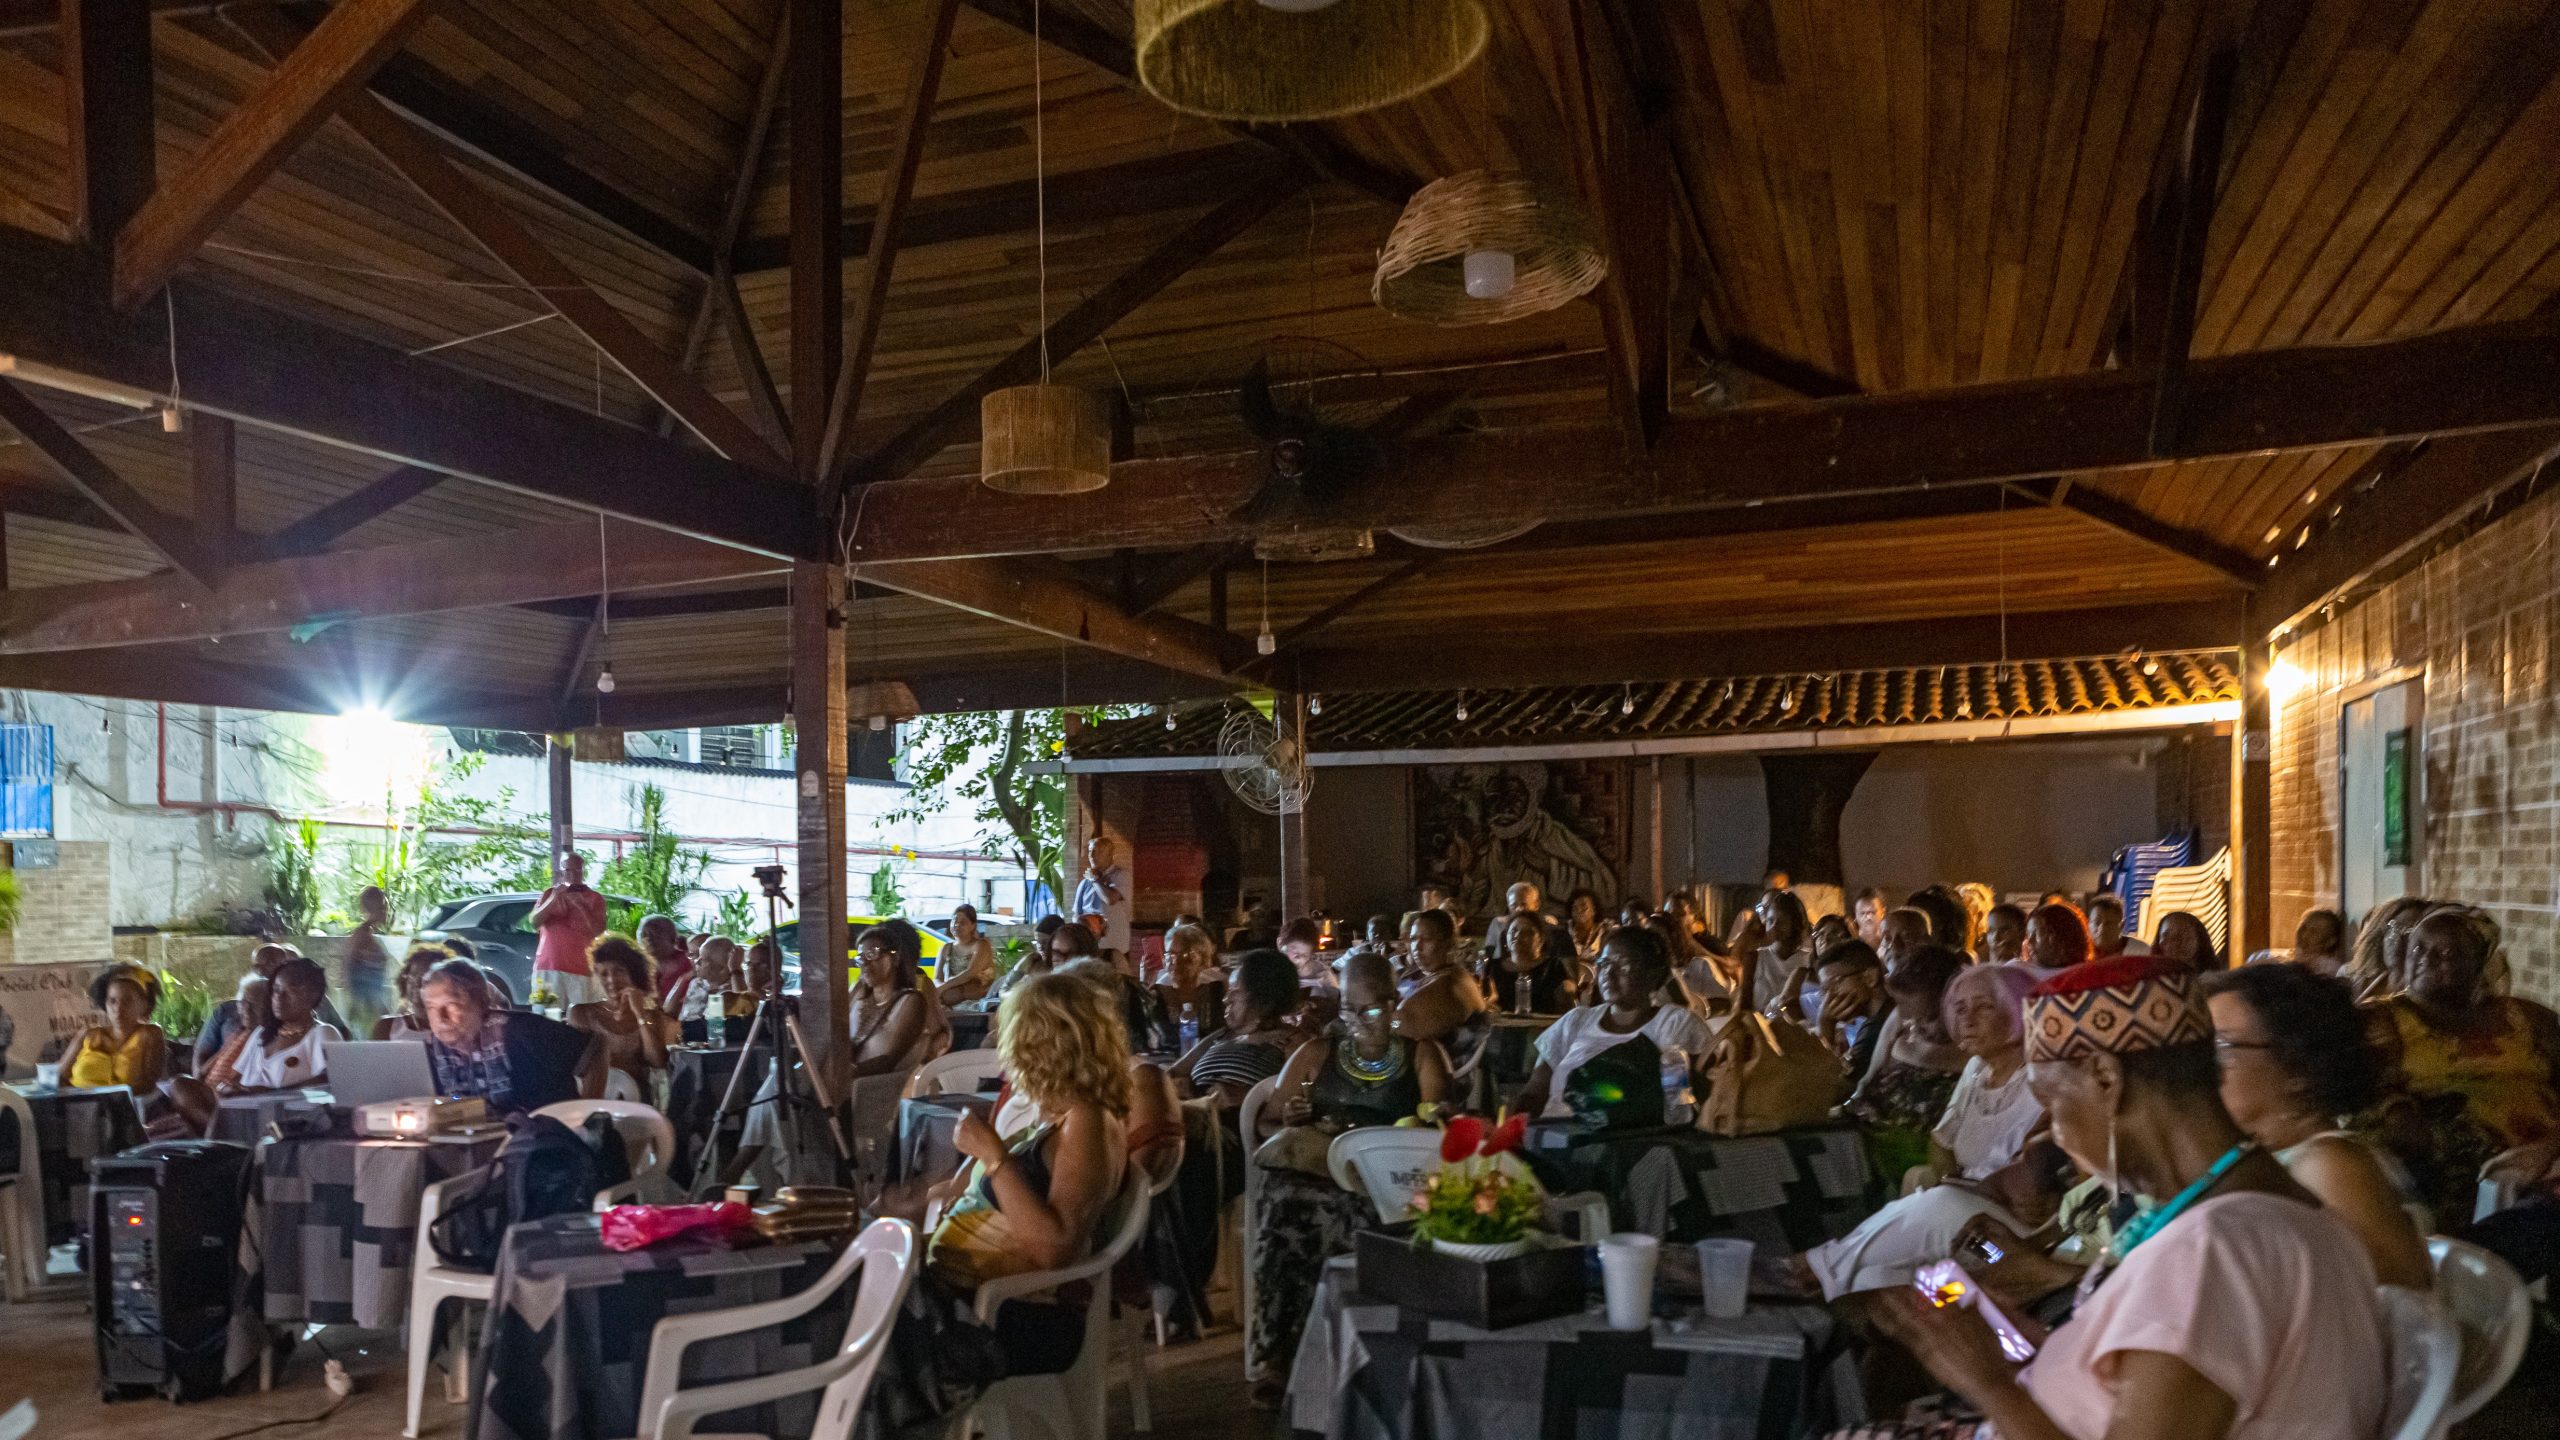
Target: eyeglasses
[
  {"x": 2221, "y": 1043},
  {"x": 1374, "y": 1012}
]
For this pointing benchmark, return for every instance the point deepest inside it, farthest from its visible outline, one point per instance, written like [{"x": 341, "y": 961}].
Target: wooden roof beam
[
  {"x": 330, "y": 66},
  {"x": 368, "y": 502},
  {"x": 924, "y": 438},
  {"x": 719, "y": 299},
  {"x": 465, "y": 572},
  {"x": 2126, "y": 518},
  {"x": 488, "y": 221},
  {"x": 108, "y": 105},
  {"x": 1046, "y": 597},
  {"x": 80, "y": 467},
  {"x": 267, "y": 367},
  {"x": 1622, "y": 166},
  {"x": 2479, "y": 378},
  {"x": 2164, "y": 309}
]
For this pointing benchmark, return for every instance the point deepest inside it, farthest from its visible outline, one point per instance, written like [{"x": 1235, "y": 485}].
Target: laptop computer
[{"x": 367, "y": 1072}]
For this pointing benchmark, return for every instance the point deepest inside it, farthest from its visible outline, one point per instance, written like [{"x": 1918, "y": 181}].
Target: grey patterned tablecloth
[
  {"x": 73, "y": 1127},
  {"x": 332, "y": 1224},
  {"x": 1786, "y": 1191},
  {"x": 1370, "y": 1371},
  {"x": 566, "y": 1348}
]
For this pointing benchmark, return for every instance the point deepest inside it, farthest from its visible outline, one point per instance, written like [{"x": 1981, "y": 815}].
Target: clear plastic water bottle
[
  {"x": 1678, "y": 1107},
  {"x": 1190, "y": 1026}
]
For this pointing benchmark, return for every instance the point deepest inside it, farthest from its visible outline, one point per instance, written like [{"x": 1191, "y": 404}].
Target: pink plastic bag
[{"x": 631, "y": 1227}]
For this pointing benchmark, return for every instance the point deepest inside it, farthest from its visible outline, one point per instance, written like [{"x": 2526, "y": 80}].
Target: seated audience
[
  {"x": 2320, "y": 942},
  {"x": 966, "y": 969},
  {"x": 282, "y": 1050},
  {"x": 2004, "y": 934},
  {"x": 1257, "y": 1040},
  {"x": 1905, "y": 1088},
  {"x": 1906, "y": 930},
  {"x": 2471, "y": 1079},
  {"x": 1828, "y": 931},
  {"x": 1847, "y": 1004},
  {"x": 2237, "y": 1309},
  {"x": 2181, "y": 939},
  {"x": 123, "y": 1047},
  {"x": 1682, "y": 907},
  {"x": 1299, "y": 940},
  {"x": 253, "y": 1004},
  {"x": 1634, "y": 966},
  {"x": 407, "y": 1021},
  {"x": 1785, "y": 951},
  {"x": 1526, "y": 978},
  {"x": 2057, "y": 938},
  {"x": 1365, "y": 1075},
  {"x": 670, "y": 963},
  {"x": 1977, "y": 900},
  {"x": 634, "y": 1029},
  {"x": 1447, "y": 999},
  {"x": 225, "y": 1021},
  {"x": 1711, "y": 979},
  {"x": 514, "y": 1060},
  {"x": 897, "y": 1023},
  {"x": 2379, "y": 965},
  {"x": 1193, "y": 983},
  {"x": 1985, "y": 1129},
  {"x": 2295, "y": 1064},
  {"x": 1584, "y": 925},
  {"x": 1866, "y": 916},
  {"x": 714, "y": 972},
  {"x": 2107, "y": 939},
  {"x": 1950, "y": 924}
]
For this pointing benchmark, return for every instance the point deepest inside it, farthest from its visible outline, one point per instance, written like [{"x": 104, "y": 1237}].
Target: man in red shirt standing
[{"x": 566, "y": 921}]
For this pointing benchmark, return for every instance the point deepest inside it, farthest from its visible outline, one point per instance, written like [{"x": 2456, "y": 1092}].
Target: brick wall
[
  {"x": 2191, "y": 786},
  {"x": 62, "y": 913},
  {"x": 2479, "y": 622}
]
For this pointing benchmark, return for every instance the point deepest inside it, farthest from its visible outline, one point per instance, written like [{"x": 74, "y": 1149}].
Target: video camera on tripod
[{"x": 799, "y": 1091}]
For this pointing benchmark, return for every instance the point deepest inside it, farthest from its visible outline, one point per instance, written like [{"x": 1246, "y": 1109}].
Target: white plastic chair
[
  {"x": 1160, "y": 1172},
  {"x": 1248, "y": 1118},
  {"x": 648, "y": 1144},
  {"x": 884, "y": 1254},
  {"x": 22, "y": 1247},
  {"x": 431, "y": 1284},
  {"x": 1067, "y": 1406},
  {"x": 961, "y": 1070},
  {"x": 872, "y": 1111},
  {"x": 1390, "y": 1164},
  {"x": 2487, "y": 1299},
  {"x": 2425, "y": 1355}
]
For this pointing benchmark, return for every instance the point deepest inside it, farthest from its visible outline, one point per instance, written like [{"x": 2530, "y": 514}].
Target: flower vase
[{"x": 1485, "y": 1253}]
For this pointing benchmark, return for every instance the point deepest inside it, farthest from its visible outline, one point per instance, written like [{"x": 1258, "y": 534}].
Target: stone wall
[{"x": 2478, "y": 623}]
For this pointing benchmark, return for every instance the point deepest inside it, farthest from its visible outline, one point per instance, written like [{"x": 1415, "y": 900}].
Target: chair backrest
[
  {"x": 1386, "y": 1164},
  {"x": 1249, "y": 1110},
  {"x": 886, "y": 1251},
  {"x": 959, "y": 1070},
  {"x": 1161, "y": 1164},
  {"x": 648, "y": 1141},
  {"x": 2487, "y": 1300},
  {"x": 30, "y": 1155},
  {"x": 2425, "y": 1354}
]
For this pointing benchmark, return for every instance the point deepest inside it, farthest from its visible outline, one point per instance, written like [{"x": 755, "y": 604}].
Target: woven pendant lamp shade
[
  {"x": 1045, "y": 440},
  {"x": 1555, "y": 253},
  {"x": 1249, "y": 60}
]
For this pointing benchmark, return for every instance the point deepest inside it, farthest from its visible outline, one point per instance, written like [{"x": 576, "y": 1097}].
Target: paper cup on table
[
  {"x": 48, "y": 1075},
  {"x": 1627, "y": 1262},
  {"x": 1724, "y": 1277}
]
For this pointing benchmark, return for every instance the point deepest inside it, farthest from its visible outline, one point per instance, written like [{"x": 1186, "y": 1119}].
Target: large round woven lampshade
[
  {"x": 1255, "y": 60},
  {"x": 1554, "y": 253},
  {"x": 1045, "y": 440}
]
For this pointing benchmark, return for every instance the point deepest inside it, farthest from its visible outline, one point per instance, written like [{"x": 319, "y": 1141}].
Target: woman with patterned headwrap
[{"x": 2233, "y": 1309}]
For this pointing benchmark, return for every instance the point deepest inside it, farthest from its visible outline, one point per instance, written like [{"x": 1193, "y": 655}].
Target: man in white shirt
[{"x": 1104, "y": 891}]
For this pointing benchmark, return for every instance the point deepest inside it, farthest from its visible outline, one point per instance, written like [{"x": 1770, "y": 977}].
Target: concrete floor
[{"x": 46, "y": 1354}]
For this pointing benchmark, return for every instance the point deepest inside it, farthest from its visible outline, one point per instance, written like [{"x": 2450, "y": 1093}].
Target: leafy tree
[
  {"x": 886, "y": 900},
  {"x": 739, "y": 917},
  {"x": 655, "y": 870},
  {"x": 980, "y": 759},
  {"x": 293, "y": 879}
]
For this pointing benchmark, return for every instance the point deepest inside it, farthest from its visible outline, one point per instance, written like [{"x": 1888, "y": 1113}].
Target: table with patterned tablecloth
[
  {"x": 243, "y": 1119},
  {"x": 1787, "y": 1191},
  {"x": 1373, "y": 1371},
  {"x": 566, "y": 1347},
  {"x": 72, "y": 1128},
  {"x": 330, "y": 1231}
]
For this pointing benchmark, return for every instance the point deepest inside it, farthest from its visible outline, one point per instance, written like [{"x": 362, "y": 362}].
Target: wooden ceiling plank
[
  {"x": 744, "y": 177},
  {"x": 465, "y": 572},
  {"x": 1620, "y": 164},
  {"x": 1300, "y": 633},
  {"x": 747, "y": 351},
  {"x": 924, "y": 438},
  {"x": 86, "y": 473},
  {"x": 266, "y": 367},
  {"x": 2128, "y": 519},
  {"x": 1174, "y": 572},
  {"x": 108, "y": 113},
  {"x": 2164, "y": 316},
  {"x": 213, "y": 456},
  {"x": 331, "y": 65},
  {"x": 371, "y": 501},
  {"x": 573, "y": 666},
  {"x": 880, "y": 256},
  {"x": 1048, "y": 598},
  {"x": 2312, "y": 397},
  {"x": 482, "y": 216}
]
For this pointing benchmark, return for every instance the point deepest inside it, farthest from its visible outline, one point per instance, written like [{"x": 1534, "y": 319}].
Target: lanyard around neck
[{"x": 2142, "y": 1227}]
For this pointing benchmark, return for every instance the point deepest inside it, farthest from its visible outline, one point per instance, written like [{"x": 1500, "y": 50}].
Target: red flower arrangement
[{"x": 1474, "y": 1198}]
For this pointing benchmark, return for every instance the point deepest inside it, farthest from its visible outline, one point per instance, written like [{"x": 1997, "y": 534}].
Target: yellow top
[{"x": 101, "y": 1061}]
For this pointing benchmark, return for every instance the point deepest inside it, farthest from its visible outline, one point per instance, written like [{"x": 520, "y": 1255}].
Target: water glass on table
[
  {"x": 1724, "y": 1277},
  {"x": 1627, "y": 1262}
]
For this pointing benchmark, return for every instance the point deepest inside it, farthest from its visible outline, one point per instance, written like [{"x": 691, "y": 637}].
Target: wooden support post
[
  {"x": 2252, "y": 766},
  {"x": 817, "y": 225},
  {"x": 556, "y": 755},
  {"x": 818, "y": 721},
  {"x": 1653, "y": 808},
  {"x": 1297, "y": 888}
]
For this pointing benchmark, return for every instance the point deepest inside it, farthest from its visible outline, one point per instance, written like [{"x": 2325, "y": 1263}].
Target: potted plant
[{"x": 1477, "y": 1205}]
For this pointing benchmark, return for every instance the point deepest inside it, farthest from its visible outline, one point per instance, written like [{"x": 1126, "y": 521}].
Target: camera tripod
[{"x": 777, "y": 1022}]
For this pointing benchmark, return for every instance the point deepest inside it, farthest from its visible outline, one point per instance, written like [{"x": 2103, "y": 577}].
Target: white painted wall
[{"x": 2019, "y": 815}]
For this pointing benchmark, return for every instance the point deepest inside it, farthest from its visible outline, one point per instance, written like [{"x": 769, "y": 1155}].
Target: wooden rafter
[
  {"x": 1622, "y": 167},
  {"x": 2126, "y": 518},
  {"x": 1296, "y": 636},
  {"x": 573, "y": 667},
  {"x": 108, "y": 113},
  {"x": 1046, "y": 597},
  {"x": 465, "y": 572},
  {"x": 366, "y": 503},
  {"x": 897, "y": 188},
  {"x": 816, "y": 185},
  {"x": 719, "y": 299},
  {"x": 2311, "y": 397},
  {"x": 921, "y": 440},
  {"x": 80, "y": 466},
  {"x": 2164, "y": 311},
  {"x": 330, "y": 65},
  {"x": 1174, "y": 572},
  {"x": 479, "y": 214}
]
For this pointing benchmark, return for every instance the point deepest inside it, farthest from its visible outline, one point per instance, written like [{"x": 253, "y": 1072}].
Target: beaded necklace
[{"x": 1346, "y": 1053}]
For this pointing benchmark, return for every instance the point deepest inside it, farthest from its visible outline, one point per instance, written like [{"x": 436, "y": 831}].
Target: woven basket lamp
[
  {"x": 1302, "y": 59},
  {"x": 1479, "y": 248},
  {"x": 1045, "y": 440}
]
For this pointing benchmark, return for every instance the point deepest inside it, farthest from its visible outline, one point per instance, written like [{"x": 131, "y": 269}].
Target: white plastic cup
[
  {"x": 1627, "y": 1262},
  {"x": 1724, "y": 1277},
  {"x": 48, "y": 1074}
]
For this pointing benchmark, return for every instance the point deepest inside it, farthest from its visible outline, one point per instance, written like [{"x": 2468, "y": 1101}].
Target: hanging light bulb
[
  {"x": 1315, "y": 704},
  {"x": 1462, "y": 707},
  {"x": 604, "y": 681},
  {"x": 172, "y": 420},
  {"x": 1265, "y": 642},
  {"x": 2150, "y": 665},
  {"x": 1627, "y": 703},
  {"x": 1169, "y": 721},
  {"x": 1490, "y": 274}
]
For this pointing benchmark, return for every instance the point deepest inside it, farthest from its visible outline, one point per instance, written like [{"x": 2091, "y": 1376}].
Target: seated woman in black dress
[
  {"x": 1364, "y": 1075},
  {"x": 1256, "y": 1042},
  {"x": 1553, "y": 981}
]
